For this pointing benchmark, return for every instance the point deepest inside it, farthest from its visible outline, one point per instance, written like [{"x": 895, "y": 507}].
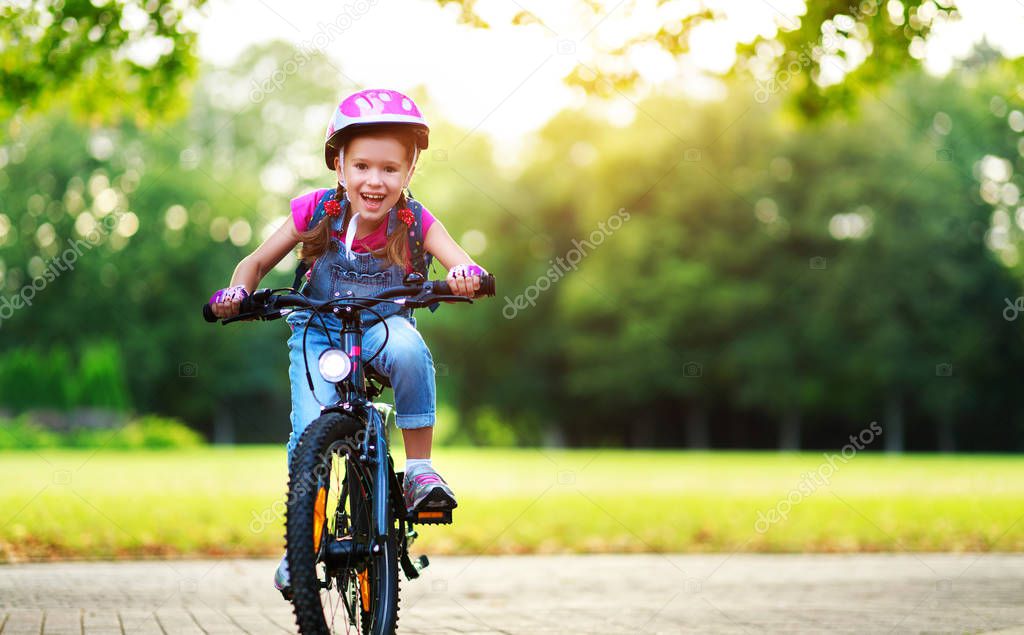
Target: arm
[
  {"x": 443, "y": 247},
  {"x": 256, "y": 265}
]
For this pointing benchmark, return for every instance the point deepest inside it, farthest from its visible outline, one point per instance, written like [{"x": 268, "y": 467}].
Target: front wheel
[{"x": 330, "y": 512}]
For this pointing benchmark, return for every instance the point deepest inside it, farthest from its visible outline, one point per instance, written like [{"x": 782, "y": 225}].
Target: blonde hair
[{"x": 317, "y": 240}]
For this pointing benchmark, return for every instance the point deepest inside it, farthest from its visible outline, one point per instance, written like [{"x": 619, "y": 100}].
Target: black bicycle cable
[{"x": 330, "y": 342}]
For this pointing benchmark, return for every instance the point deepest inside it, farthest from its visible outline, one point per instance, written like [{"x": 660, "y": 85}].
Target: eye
[
  {"x": 360, "y": 166},
  {"x": 391, "y": 170}
]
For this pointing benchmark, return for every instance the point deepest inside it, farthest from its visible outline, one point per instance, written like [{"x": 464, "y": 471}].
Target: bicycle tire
[{"x": 307, "y": 468}]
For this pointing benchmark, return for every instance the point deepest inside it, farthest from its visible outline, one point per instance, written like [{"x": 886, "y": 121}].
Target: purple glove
[
  {"x": 466, "y": 271},
  {"x": 230, "y": 294}
]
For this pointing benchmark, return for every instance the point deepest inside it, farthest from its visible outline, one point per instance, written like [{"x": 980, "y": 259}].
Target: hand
[
  {"x": 465, "y": 279},
  {"x": 226, "y": 302}
]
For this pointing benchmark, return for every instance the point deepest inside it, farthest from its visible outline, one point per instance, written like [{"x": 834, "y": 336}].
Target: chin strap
[{"x": 350, "y": 235}]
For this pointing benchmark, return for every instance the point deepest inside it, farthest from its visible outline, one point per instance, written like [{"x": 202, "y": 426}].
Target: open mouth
[{"x": 372, "y": 201}]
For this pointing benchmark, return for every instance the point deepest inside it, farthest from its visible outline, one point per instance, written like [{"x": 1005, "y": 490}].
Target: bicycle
[{"x": 347, "y": 530}]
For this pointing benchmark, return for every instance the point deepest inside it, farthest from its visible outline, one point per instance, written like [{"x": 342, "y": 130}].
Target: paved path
[{"x": 935, "y": 593}]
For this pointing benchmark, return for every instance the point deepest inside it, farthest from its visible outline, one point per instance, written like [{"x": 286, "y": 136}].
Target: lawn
[{"x": 81, "y": 503}]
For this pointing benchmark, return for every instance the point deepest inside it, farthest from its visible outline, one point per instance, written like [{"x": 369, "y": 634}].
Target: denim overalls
[
  {"x": 405, "y": 360},
  {"x": 337, "y": 274}
]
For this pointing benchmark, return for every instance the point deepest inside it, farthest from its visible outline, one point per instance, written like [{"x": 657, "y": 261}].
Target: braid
[
  {"x": 397, "y": 248},
  {"x": 317, "y": 241}
]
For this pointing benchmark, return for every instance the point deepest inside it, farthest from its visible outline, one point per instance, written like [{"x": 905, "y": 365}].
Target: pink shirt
[{"x": 304, "y": 206}]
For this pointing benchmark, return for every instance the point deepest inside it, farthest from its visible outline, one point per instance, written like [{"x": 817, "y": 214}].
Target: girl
[{"x": 356, "y": 239}]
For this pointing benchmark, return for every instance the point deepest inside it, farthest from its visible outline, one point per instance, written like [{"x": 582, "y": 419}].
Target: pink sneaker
[{"x": 425, "y": 490}]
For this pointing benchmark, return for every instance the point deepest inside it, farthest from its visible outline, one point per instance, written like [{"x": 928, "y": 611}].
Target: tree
[
  {"x": 816, "y": 277},
  {"x": 103, "y": 59},
  {"x": 185, "y": 200},
  {"x": 866, "y": 43}
]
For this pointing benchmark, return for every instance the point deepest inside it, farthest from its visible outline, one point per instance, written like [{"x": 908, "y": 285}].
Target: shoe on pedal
[
  {"x": 428, "y": 498},
  {"x": 283, "y": 579}
]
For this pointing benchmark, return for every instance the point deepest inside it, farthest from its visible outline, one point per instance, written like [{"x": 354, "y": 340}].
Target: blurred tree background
[{"x": 749, "y": 272}]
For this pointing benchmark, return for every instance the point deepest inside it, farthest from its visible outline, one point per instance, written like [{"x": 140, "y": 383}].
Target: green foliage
[
  {"x": 106, "y": 60},
  {"x": 705, "y": 303},
  {"x": 32, "y": 378},
  {"x": 149, "y": 432},
  {"x": 794, "y": 55},
  {"x": 100, "y": 381},
  {"x": 829, "y": 37},
  {"x": 735, "y": 283},
  {"x": 492, "y": 431},
  {"x": 22, "y": 433},
  {"x": 143, "y": 286}
]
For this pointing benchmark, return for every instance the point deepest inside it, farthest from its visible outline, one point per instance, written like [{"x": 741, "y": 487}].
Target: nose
[{"x": 375, "y": 177}]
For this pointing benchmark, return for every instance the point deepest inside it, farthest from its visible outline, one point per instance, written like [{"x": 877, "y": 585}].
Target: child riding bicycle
[{"x": 357, "y": 239}]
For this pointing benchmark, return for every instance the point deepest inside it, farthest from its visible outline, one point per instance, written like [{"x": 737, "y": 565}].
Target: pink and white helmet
[{"x": 373, "y": 107}]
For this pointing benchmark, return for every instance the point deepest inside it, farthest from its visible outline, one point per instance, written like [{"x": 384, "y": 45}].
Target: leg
[
  {"x": 418, "y": 442},
  {"x": 305, "y": 407},
  {"x": 406, "y": 361}
]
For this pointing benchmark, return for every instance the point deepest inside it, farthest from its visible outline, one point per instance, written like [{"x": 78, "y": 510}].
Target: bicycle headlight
[{"x": 335, "y": 365}]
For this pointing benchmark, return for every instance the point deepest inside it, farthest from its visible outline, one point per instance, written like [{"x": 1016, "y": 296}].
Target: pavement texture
[{"x": 652, "y": 593}]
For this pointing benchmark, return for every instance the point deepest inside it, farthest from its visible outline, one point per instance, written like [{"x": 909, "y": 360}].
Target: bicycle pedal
[
  {"x": 411, "y": 568},
  {"x": 431, "y": 517},
  {"x": 421, "y": 563}
]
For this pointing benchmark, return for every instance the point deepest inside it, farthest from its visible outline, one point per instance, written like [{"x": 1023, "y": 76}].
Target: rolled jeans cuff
[{"x": 409, "y": 422}]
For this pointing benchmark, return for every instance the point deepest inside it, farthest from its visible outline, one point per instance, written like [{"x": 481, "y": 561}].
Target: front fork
[
  {"x": 376, "y": 452},
  {"x": 373, "y": 453},
  {"x": 387, "y": 491}
]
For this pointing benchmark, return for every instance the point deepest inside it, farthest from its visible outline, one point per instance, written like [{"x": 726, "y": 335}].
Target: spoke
[{"x": 329, "y": 604}]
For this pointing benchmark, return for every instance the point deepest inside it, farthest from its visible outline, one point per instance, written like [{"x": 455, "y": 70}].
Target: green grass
[{"x": 77, "y": 503}]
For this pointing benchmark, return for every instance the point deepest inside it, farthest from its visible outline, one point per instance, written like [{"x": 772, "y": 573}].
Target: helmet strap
[
  {"x": 350, "y": 235},
  {"x": 341, "y": 169},
  {"x": 412, "y": 167}
]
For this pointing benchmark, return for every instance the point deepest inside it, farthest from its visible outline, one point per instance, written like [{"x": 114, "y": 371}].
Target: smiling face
[{"x": 375, "y": 171}]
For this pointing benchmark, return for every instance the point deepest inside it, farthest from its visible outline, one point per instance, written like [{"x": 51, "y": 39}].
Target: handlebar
[{"x": 265, "y": 305}]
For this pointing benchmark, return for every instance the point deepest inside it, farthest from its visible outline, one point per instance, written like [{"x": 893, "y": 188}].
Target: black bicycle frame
[{"x": 353, "y": 402}]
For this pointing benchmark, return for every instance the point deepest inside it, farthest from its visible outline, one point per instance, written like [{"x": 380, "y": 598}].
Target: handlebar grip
[
  {"x": 245, "y": 306},
  {"x": 486, "y": 285},
  {"x": 441, "y": 287}
]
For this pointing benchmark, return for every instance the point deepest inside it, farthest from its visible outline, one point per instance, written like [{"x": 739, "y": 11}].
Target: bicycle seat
[{"x": 371, "y": 373}]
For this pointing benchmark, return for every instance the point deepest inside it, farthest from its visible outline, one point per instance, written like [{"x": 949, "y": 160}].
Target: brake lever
[
  {"x": 267, "y": 310},
  {"x": 241, "y": 317},
  {"x": 420, "y": 303}
]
